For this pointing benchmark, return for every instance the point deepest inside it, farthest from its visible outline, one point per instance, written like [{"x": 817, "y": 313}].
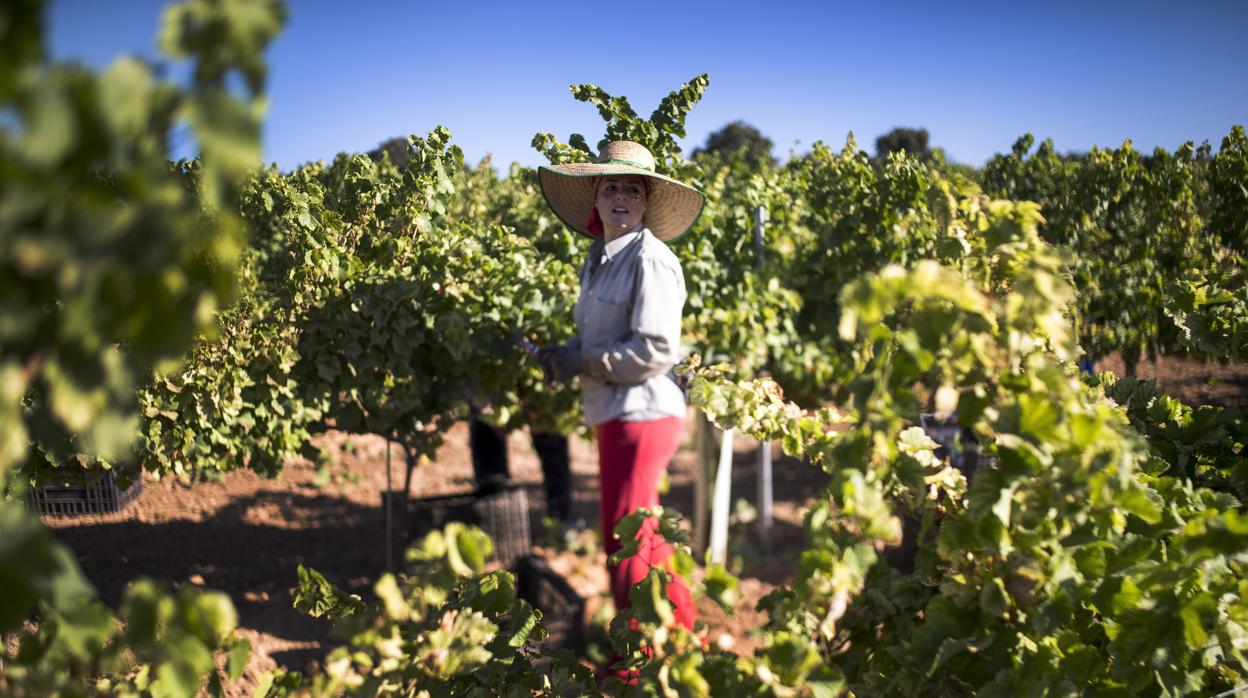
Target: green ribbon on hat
[{"x": 630, "y": 163}]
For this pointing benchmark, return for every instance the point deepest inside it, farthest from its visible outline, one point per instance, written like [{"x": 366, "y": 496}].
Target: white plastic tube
[{"x": 721, "y": 507}]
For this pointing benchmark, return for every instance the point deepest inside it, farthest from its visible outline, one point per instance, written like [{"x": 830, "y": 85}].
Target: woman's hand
[{"x": 560, "y": 362}]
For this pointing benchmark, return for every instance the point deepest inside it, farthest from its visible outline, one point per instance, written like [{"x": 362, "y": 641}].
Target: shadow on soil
[
  {"x": 251, "y": 548},
  {"x": 247, "y": 553}
]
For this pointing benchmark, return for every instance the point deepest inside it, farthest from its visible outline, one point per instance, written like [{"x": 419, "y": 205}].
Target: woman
[{"x": 628, "y": 320}]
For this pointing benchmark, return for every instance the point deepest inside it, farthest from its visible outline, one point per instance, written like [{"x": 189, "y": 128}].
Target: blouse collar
[{"x": 611, "y": 249}]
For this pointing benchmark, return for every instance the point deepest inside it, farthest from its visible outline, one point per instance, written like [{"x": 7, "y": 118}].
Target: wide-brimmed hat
[{"x": 671, "y": 206}]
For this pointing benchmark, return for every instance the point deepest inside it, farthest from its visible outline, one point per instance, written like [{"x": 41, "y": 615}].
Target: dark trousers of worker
[
  {"x": 490, "y": 464},
  {"x": 631, "y": 458}
]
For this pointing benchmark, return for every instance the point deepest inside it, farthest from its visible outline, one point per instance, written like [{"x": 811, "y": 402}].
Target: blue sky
[{"x": 347, "y": 75}]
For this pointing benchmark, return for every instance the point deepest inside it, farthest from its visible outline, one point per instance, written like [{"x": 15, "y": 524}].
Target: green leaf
[
  {"x": 722, "y": 587},
  {"x": 125, "y": 93},
  {"x": 51, "y": 126},
  {"x": 1198, "y": 614},
  {"x": 212, "y": 616},
  {"x": 473, "y": 547},
  {"x": 790, "y": 658},
  {"x": 524, "y": 623},
  {"x": 240, "y": 654},
  {"x": 387, "y": 589},
  {"x": 994, "y": 601}
]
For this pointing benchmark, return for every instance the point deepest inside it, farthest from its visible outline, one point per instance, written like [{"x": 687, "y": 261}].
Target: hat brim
[{"x": 672, "y": 207}]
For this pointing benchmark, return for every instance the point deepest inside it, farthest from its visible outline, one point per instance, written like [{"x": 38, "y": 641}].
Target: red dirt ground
[{"x": 245, "y": 535}]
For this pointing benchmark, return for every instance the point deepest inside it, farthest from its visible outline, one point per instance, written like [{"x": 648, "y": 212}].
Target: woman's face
[{"x": 621, "y": 201}]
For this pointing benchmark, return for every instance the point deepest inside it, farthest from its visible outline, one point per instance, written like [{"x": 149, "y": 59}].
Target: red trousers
[{"x": 631, "y": 457}]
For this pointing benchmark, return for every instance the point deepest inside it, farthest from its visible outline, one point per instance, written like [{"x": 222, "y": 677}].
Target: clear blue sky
[{"x": 347, "y": 75}]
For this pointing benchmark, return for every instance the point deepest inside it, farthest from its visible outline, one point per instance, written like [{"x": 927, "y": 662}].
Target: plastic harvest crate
[
  {"x": 82, "y": 494},
  {"x": 563, "y": 610},
  {"x": 503, "y": 514}
]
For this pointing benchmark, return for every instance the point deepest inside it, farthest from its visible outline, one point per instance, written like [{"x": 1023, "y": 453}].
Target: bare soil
[
  {"x": 245, "y": 535},
  {"x": 1193, "y": 382}
]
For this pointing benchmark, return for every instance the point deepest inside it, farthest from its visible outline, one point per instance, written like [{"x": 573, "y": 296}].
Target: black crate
[
  {"x": 83, "y": 493},
  {"x": 957, "y": 443},
  {"x": 563, "y": 610},
  {"x": 502, "y": 513}
]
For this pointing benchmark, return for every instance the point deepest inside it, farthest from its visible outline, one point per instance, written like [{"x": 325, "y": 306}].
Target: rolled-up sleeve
[{"x": 653, "y": 346}]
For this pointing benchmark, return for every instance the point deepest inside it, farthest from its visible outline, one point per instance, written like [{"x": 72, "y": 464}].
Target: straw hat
[{"x": 671, "y": 207}]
